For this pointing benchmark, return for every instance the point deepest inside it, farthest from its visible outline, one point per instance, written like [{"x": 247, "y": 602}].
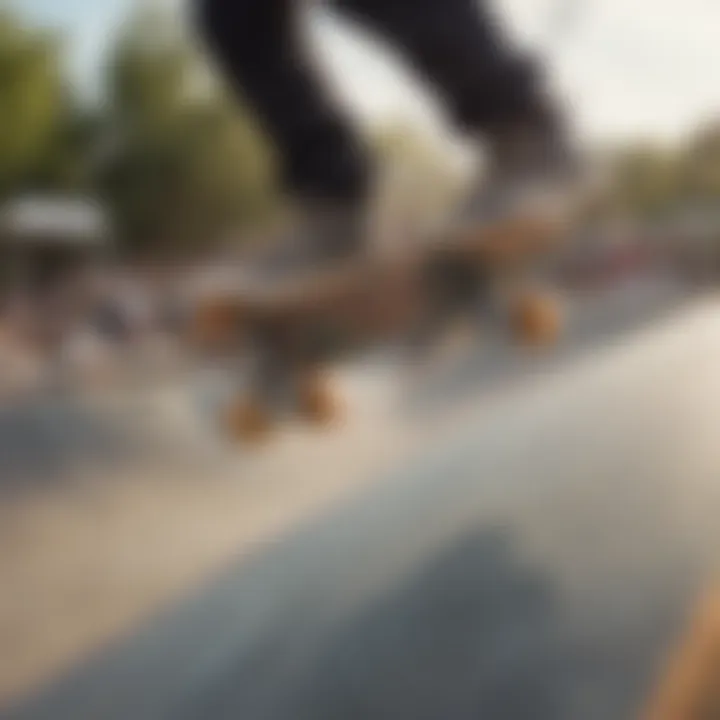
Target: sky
[{"x": 626, "y": 68}]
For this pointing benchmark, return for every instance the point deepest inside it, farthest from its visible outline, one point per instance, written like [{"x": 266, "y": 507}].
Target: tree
[
  {"x": 184, "y": 164},
  {"x": 646, "y": 180},
  {"x": 700, "y": 165},
  {"x": 33, "y": 101}
]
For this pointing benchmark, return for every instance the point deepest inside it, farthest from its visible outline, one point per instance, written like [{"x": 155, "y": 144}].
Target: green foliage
[
  {"x": 177, "y": 163},
  {"x": 655, "y": 181},
  {"x": 699, "y": 167},
  {"x": 32, "y": 100},
  {"x": 646, "y": 180},
  {"x": 186, "y": 165}
]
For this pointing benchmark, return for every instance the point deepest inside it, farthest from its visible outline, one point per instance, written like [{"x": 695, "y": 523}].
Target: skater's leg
[
  {"x": 459, "y": 46},
  {"x": 493, "y": 91},
  {"x": 259, "y": 46},
  {"x": 496, "y": 94}
]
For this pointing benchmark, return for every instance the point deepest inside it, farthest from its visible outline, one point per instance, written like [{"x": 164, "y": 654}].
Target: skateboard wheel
[
  {"x": 317, "y": 402},
  {"x": 248, "y": 421},
  {"x": 536, "y": 319}
]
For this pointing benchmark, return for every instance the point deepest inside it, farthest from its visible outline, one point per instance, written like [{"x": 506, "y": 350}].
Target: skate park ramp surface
[{"x": 538, "y": 554}]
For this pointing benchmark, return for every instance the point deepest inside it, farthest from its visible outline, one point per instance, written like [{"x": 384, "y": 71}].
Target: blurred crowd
[
  {"x": 99, "y": 325},
  {"x": 92, "y": 326}
]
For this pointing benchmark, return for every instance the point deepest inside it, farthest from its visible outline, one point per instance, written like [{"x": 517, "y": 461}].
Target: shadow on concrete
[
  {"x": 475, "y": 630},
  {"x": 45, "y": 441},
  {"x": 474, "y": 634}
]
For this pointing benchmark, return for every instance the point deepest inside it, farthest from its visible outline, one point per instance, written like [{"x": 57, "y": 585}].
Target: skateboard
[{"x": 290, "y": 332}]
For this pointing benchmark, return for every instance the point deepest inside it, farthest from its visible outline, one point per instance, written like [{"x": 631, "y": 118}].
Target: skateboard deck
[{"x": 293, "y": 329}]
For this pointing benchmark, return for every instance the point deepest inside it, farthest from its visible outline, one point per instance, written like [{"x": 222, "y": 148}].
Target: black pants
[{"x": 454, "y": 44}]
